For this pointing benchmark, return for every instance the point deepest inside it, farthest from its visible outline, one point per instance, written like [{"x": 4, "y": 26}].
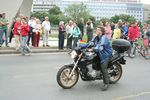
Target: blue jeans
[
  {"x": 6, "y": 37},
  {"x": 24, "y": 47},
  {"x": 1, "y": 37},
  {"x": 75, "y": 42}
]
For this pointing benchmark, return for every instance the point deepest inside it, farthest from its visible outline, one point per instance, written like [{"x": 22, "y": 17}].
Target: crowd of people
[{"x": 33, "y": 29}]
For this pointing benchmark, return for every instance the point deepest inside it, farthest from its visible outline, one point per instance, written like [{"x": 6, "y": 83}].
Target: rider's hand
[{"x": 90, "y": 50}]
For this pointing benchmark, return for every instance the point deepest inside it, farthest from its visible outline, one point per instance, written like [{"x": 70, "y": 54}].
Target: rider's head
[{"x": 100, "y": 30}]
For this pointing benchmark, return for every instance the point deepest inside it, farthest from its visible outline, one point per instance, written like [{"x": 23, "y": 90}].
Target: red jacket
[
  {"x": 25, "y": 29},
  {"x": 16, "y": 27},
  {"x": 133, "y": 33}
]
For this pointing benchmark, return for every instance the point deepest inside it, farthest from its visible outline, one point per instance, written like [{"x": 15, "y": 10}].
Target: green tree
[
  {"x": 148, "y": 21},
  {"x": 77, "y": 11},
  {"x": 122, "y": 17},
  {"x": 56, "y": 15},
  {"x": 40, "y": 15},
  {"x": 55, "y": 10}
]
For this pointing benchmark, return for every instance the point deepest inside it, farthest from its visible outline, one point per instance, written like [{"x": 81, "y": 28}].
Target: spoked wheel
[
  {"x": 115, "y": 73},
  {"x": 63, "y": 77},
  {"x": 146, "y": 52}
]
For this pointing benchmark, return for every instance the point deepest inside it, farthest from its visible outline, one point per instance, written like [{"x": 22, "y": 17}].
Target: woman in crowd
[
  {"x": 116, "y": 33},
  {"x": 16, "y": 31},
  {"x": 25, "y": 29},
  {"x": 61, "y": 35},
  {"x": 37, "y": 30},
  {"x": 75, "y": 35},
  {"x": 108, "y": 30}
]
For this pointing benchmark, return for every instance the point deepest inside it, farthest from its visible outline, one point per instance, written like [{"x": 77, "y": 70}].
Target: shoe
[
  {"x": 48, "y": 45},
  {"x": 131, "y": 55},
  {"x": 105, "y": 87},
  {"x": 126, "y": 55}
]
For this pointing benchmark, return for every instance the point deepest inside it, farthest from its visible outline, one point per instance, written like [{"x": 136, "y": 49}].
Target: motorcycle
[{"x": 68, "y": 75}]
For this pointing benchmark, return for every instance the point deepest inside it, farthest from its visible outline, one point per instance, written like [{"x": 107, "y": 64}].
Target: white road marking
[{"x": 132, "y": 96}]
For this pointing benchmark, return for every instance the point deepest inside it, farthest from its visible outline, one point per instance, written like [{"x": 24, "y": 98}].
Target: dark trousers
[
  {"x": 104, "y": 66},
  {"x": 11, "y": 36},
  {"x": 69, "y": 42},
  {"x": 31, "y": 37},
  {"x": 36, "y": 39},
  {"x": 61, "y": 41}
]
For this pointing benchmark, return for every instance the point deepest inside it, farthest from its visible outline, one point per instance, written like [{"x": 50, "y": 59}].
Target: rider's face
[{"x": 98, "y": 31}]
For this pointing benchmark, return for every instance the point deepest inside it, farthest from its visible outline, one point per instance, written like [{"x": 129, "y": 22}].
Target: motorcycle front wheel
[
  {"x": 115, "y": 73},
  {"x": 63, "y": 78}
]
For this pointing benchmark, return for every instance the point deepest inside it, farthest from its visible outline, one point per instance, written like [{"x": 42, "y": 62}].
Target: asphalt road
[{"x": 34, "y": 78}]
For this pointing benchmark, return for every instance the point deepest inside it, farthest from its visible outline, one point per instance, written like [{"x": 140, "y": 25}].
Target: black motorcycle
[{"x": 68, "y": 75}]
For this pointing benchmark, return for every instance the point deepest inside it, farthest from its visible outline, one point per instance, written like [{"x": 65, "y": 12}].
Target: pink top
[{"x": 108, "y": 31}]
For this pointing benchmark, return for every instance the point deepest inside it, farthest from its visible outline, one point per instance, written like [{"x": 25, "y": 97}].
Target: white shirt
[
  {"x": 46, "y": 25},
  {"x": 32, "y": 23},
  {"x": 69, "y": 29}
]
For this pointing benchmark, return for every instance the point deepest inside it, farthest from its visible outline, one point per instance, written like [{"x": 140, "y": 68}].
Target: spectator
[
  {"x": 46, "y": 30},
  {"x": 5, "y": 28},
  {"x": 75, "y": 35},
  {"x": 108, "y": 30},
  {"x": 133, "y": 35},
  {"x": 25, "y": 29},
  {"x": 61, "y": 35},
  {"x": 124, "y": 30},
  {"x": 89, "y": 31},
  {"x": 117, "y": 32},
  {"x": 37, "y": 30},
  {"x": 69, "y": 29},
  {"x": 31, "y": 23},
  {"x": 16, "y": 31},
  {"x": 1, "y": 31},
  {"x": 81, "y": 26},
  {"x": 11, "y": 31}
]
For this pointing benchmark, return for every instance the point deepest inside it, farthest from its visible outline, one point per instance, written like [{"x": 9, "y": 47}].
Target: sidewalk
[{"x": 53, "y": 42}]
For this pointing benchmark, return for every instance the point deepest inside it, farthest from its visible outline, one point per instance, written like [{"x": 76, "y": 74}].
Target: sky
[{"x": 145, "y": 1}]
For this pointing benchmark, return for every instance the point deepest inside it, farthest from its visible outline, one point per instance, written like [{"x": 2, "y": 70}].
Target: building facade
[
  {"x": 103, "y": 8},
  {"x": 146, "y": 12}
]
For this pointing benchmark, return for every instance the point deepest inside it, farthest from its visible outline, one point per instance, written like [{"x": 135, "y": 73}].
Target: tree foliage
[
  {"x": 122, "y": 17},
  {"x": 77, "y": 11},
  {"x": 55, "y": 10},
  {"x": 55, "y": 15},
  {"x": 148, "y": 21},
  {"x": 40, "y": 15}
]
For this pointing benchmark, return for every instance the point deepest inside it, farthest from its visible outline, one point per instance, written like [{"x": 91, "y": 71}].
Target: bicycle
[{"x": 139, "y": 47}]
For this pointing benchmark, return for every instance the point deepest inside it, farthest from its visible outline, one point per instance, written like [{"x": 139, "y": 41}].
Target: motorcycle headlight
[{"x": 73, "y": 54}]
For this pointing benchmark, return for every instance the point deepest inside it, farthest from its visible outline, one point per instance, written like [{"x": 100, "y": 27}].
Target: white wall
[{"x": 11, "y": 7}]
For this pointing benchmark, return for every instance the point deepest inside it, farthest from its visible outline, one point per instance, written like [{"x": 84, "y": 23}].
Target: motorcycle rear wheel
[
  {"x": 115, "y": 73},
  {"x": 63, "y": 77}
]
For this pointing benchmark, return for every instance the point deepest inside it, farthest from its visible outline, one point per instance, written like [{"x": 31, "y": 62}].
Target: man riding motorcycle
[{"x": 103, "y": 49}]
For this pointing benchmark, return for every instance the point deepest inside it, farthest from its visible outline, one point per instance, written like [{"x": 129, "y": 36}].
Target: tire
[
  {"x": 146, "y": 53},
  {"x": 63, "y": 77},
  {"x": 115, "y": 73}
]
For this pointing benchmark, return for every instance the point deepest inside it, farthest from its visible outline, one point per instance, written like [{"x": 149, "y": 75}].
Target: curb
[{"x": 34, "y": 50}]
